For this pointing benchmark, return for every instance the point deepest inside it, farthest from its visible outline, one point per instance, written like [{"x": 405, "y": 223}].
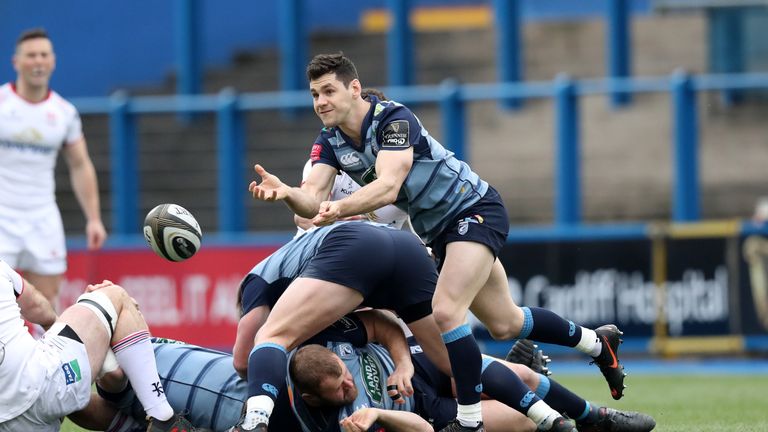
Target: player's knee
[
  {"x": 507, "y": 327},
  {"x": 102, "y": 304},
  {"x": 447, "y": 316},
  {"x": 503, "y": 330},
  {"x": 241, "y": 367}
]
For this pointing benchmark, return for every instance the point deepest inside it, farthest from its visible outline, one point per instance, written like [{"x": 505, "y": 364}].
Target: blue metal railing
[
  {"x": 452, "y": 99},
  {"x": 293, "y": 44}
]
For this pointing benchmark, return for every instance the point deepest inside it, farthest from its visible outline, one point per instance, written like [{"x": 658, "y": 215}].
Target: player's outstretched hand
[{"x": 270, "y": 188}]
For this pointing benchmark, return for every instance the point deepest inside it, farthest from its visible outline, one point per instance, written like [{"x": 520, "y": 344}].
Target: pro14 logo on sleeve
[
  {"x": 71, "y": 372},
  {"x": 395, "y": 134}
]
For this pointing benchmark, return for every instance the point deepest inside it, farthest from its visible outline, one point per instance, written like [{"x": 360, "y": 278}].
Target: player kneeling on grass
[{"x": 44, "y": 380}]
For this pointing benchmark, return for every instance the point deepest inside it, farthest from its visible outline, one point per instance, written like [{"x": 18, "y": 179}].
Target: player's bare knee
[
  {"x": 503, "y": 330},
  {"x": 240, "y": 367},
  {"x": 447, "y": 317}
]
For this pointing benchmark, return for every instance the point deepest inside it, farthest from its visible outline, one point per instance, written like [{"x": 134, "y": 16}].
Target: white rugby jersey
[
  {"x": 19, "y": 388},
  {"x": 31, "y": 135},
  {"x": 344, "y": 186}
]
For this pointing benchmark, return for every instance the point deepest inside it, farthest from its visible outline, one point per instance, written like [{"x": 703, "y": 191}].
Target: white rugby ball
[{"x": 172, "y": 232}]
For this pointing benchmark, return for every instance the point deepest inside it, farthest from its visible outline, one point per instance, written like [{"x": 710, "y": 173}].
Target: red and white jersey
[
  {"x": 344, "y": 186},
  {"x": 31, "y": 135},
  {"x": 17, "y": 348}
]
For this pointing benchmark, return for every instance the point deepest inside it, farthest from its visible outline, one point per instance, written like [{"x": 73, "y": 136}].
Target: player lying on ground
[
  {"x": 204, "y": 383},
  {"x": 44, "y": 380},
  {"x": 340, "y": 379}
]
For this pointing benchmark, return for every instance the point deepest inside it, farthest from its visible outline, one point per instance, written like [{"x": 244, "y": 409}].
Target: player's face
[
  {"x": 34, "y": 62},
  {"x": 332, "y": 100},
  {"x": 338, "y": 391}
]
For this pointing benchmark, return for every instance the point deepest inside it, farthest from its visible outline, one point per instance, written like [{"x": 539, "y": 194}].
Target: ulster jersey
[
  {"x": 438, "y": 187},
  {"x": 31, "y": 135},
  {"x": 20, "y": 380}
]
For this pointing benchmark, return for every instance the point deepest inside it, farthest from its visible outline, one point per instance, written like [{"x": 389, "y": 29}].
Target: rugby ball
[{"x": 172, "y": 232}]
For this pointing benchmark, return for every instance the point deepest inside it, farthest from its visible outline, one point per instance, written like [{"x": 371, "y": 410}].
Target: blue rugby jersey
[
  {"x": 370, "y": 365},
  {"x": 203, "y": 383},
  {"x": 438, "y": 187}
]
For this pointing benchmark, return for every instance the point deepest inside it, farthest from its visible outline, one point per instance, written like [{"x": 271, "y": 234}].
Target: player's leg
[
  {"x": 494, "y": 306},
  {"x": 498, "y": 417},
  {"x": 44, "y": 257},
  {"x": 107, "y": 316},
  {"x": 307, "y": 306},
  {"x": 47, "y": 284},
  {"x": 465, "y": 268}
]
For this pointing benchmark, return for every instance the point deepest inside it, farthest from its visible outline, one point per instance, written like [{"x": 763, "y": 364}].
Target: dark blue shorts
[
  {"x": 432, "y": 392},
  {"x": 390, "y": 268},
  {"x": 486, "y": 222}
]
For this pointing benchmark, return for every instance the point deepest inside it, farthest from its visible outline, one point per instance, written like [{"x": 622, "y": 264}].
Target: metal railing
[{"x": 452, "y": 99}]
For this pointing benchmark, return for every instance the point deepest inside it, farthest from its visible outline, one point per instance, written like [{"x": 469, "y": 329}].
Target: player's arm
[
  {"x": 85, "y": 185},
  {"x": 392, "y": 168},
  {"x": 247, "y": 328},
  {"x": 303, "y": 201},
  {"x": 395, "y": 421},
  {"x": 384, "y": 328},
  {"x": 35, "y": 307}
]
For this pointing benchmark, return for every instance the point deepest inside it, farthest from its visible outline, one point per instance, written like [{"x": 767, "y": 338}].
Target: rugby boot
[
  {"x": 562, "y": 424},
  {"x": 613, "y": 420},
  {"x": 177, "y": 423},
  {"x": 255, "y": 421},
  {"x": 455, "y": 426},
  {"x": 608, "y": 360}
]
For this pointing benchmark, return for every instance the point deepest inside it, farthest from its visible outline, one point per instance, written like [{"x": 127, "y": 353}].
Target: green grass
[
  {"x": 686, "y": 403},
  {"x": 678, "y": 403}
]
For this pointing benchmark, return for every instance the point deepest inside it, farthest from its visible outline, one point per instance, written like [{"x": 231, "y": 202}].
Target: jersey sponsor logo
[
  {"x": 28, "y": 147},
  {"x": 71, "y": 372},
  {"x": 371, "y": 377},
  {"x": 349, "y": 160},
  {"x": 416, "y": 349},
  {"x": 315, "y": 153},
  {"x": 395, "y": 134}
]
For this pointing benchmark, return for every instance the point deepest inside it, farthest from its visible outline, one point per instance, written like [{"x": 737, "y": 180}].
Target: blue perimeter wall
[{"x": 105, "y": 45}]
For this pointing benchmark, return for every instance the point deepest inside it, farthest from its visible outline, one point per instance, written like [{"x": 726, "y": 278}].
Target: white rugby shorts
[
  {"x": 66, "y": 389},
  {"x": 34, "y": 244}
]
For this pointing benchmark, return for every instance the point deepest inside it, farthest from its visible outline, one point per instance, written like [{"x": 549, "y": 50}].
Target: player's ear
[
  {"x": 356, "y": 87},
  {"x": 311, "y": 399}
]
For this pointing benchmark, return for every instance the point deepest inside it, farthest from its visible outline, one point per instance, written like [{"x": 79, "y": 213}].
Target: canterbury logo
[{"x": 349, "y": 159}]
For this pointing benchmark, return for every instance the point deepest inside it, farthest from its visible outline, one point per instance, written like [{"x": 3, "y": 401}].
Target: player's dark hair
[
  {"x": 323, "y": 64},
  {"x": 311, "y": 365},
  {"x": 373, "y": 91},
  {"x": 35, "y": 33}
]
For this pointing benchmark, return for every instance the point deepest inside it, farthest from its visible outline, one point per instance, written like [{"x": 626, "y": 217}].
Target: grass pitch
[{"x": 703, "y": 403}]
